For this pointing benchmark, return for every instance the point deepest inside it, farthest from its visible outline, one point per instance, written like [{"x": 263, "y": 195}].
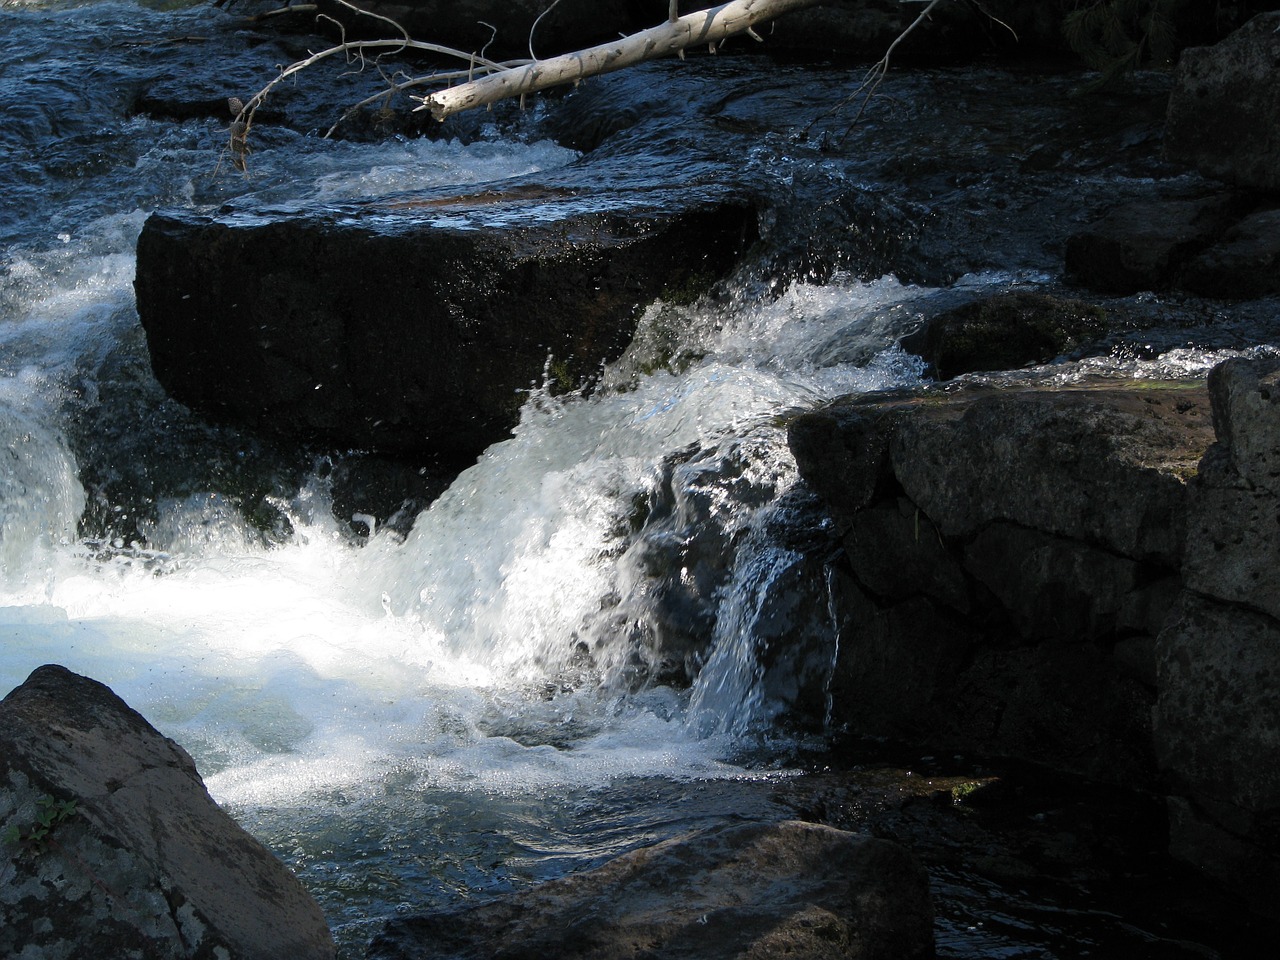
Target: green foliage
[
  {"x": 49, "y": 814},
  {"x": 1117, "y": 36}
]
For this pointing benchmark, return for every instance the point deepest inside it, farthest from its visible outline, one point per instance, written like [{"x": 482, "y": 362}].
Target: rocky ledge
[
  {"x": 1078, "y": 577},
  {"x": 415, "y": 325}
]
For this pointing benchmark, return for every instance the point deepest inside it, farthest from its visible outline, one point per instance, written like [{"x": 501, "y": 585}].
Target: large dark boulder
[
  {"x": 1224, "y": 111},
  {"x": 1218, "y": 709},
  {"x": 1077, "y": 577},
  {"x": 748, "y": 890},
  {"x": 112, "y": 847},
  {"x": 413, "y": 326},
  {"x": 1009, "y": 558}
]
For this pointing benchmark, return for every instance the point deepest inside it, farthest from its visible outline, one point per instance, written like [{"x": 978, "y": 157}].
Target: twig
[{"x": 874, "y": 77}]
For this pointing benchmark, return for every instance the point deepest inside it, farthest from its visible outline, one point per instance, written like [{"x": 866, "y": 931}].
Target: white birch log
[{"x": 693, "y": 29}]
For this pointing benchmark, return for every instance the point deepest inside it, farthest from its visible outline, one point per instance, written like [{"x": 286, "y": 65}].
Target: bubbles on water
[{"x": 202, "y": 524}]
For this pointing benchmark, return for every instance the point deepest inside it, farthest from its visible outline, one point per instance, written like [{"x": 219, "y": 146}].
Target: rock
[
  {"x": 1217, "y": 714},
  {"x": 1100, "y": 465},
  {"x": 1145, "y": 245},
  {"x": 1219, "y": 706},
  {"x": 897, "y": 663},
  {"x": 138, "y": 861},
  {"x": 748, "y": 890},
  {"x": 1053, "y": 587},
  {"x": 1243, "y": 265},
  {"x": 898, "y": 554},
  {"x": 1218, "y": 709},
  {"x": 1233, "y": 546},
  {"x": 414, "y": 325},
  {"x": 1245, "y": 394},
  {"x": 1233, "y": 542},
  {"x": 1224, "y": 109},
  {"x": 1004, "y": 332},
  {"x": 1009, "y": 559}
]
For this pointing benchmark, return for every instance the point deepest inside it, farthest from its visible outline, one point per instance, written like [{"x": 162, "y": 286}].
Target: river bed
[{"x": 398, "y": 708}]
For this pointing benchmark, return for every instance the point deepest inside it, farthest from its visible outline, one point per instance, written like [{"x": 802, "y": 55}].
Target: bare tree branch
[
  {"x": 694, "y": 29},
  {"x": 875, "y": 76}
]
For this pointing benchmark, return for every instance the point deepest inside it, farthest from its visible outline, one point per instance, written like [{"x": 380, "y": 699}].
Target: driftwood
[{"x": 707, "y": 27}]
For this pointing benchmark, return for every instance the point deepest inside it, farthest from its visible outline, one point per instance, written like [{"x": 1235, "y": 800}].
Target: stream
[{"x": 424, "y": 710}]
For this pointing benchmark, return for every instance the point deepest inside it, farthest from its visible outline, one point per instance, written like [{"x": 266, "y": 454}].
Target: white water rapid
[{"x": 336, "y": 691}]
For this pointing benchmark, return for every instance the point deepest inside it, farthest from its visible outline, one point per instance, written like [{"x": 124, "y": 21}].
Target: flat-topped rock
[{"x": 413, "y": 324}]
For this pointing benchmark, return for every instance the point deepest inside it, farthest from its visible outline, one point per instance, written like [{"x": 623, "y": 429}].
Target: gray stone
[
  {"x": 1004, "y": 332},
  {"x": 412, "y": 325},
  {"x": 896, "y": 663},
  {"x": 1218, "y": 713},
  {"x": 896, "y": 552},
  {"x": 843, "y": 450},
  {"x": 749, "y": 890},
  {"x": 1103, "y": 466},
  {"x": 1053, "y": 587},
  {"x": 1224, "y": 110},
  {"x": 1217, "y": 734},
  {"x": 1245, "y": 394},
  {"x": 138, "y": 861},
  {"x": 1233, "y": 546},
  {"x": 1243, "y": 265},
  {"x": 1144, "y": 245},
  {"x": 1068, "y": 706}
]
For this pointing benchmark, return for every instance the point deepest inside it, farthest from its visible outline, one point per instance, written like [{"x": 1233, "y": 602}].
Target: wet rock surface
[
  {"x": 113, "y": 848},
  {"x": 407, "y": 333},
  {"x": 1017, "y": 329},
  {"x": 747, "y": 890},
  {"x": 1071, "y": 577},
  {"x": 1000, "y": 545}
]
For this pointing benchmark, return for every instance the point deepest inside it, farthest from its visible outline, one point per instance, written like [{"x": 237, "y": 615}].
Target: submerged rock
[
  {"x": 112, "y": 847},
  {"x": 415, "y": 325},
  {"x": 751, "y": 890}
]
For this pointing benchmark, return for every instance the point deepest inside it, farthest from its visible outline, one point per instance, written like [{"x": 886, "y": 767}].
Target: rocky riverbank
[
  {"x": 1036, "y": 565},
  {"x": 1074, "y": 577}
]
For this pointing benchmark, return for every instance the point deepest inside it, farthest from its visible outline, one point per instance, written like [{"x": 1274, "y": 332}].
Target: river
[{"x": 404, "y": 717}]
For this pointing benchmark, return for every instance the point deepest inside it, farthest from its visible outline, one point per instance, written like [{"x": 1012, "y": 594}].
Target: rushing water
[{"x": 411, "y": 720}]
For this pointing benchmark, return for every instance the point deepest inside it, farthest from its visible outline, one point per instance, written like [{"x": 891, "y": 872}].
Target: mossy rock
[{"x": 1005, "y": 332}]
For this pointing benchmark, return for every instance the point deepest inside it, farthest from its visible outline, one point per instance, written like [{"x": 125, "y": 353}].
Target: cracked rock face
[{"x": 112, "y": 847}]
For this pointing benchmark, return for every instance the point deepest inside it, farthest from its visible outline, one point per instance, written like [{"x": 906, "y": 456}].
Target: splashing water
[
  {"x": 333, "y": 688},
  {"x": 584, "y": 630}
]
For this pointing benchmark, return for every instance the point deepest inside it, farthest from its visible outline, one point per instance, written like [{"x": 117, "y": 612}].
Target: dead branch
[{"x": 671, "y": 37}]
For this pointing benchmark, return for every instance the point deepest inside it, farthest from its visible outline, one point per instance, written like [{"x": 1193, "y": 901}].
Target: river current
[{"x": 402, "y": 716}]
